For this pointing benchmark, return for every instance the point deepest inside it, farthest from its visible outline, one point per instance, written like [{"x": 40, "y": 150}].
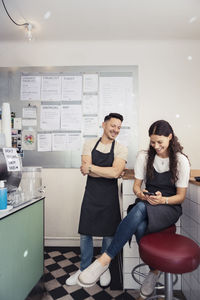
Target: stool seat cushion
[{"x": 169, "y": 252}]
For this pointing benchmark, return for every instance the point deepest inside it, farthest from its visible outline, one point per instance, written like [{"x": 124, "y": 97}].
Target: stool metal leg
[
  {"x": 168, "y": 286},
  {"x": 168, "y": 277},
  {"x": 168, "y": 289}
]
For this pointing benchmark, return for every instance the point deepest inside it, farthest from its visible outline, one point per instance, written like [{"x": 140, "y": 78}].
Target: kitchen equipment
[
  {"x": 31, "y": 182},
  {"x": 197, "y": 178}
]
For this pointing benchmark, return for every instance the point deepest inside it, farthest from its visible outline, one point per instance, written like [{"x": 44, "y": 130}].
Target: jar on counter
[{"x": 31, "y": 182}]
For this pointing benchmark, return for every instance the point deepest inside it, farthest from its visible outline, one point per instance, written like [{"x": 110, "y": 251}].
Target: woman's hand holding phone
[
  {"x": 155, "y": 199},
  {"x": 148, "y": 193}
]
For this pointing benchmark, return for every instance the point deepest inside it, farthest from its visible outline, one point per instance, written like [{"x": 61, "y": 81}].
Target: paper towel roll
[{"x": 6, "y": 123}]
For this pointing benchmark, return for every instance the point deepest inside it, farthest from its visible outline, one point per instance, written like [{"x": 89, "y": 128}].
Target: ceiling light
[
  {"x": 47, "y": 15},
  {"x": 27, "y": 26},
  {"x": 193, "y": 19},
  {"x": 29, "y": 31}
]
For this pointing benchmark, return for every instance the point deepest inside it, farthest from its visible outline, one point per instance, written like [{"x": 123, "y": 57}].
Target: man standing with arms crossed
[{"x": 103, "y": 160}]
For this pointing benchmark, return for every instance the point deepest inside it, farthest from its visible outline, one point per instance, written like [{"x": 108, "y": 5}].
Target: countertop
[
  {"x": 193, "y": 181},
  {"x": 129, "y": 174},
  {"x": 194, "y": 173},
  {"x": 6, "y": 213}
]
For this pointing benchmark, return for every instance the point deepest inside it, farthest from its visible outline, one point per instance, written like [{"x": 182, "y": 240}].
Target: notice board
[{"x": 60, "y": 107}]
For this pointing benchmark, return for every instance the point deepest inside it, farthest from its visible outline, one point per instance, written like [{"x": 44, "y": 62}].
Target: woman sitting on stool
[{"x": 165, "y": 170}]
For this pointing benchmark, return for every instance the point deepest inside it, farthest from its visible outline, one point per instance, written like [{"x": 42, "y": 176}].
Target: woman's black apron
[
  {"x": 161, "y": 216},
  {"x": 100, "y": 212}
]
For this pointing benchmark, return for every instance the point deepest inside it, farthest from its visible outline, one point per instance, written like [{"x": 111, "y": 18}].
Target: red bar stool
[{"x": 170, "y": 253}]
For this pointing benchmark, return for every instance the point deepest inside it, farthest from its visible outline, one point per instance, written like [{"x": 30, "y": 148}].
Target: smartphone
[{"x": 149, "y": 193}]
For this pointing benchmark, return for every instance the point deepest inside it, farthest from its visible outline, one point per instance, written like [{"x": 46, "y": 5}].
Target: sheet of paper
[
  {"x": 17, "y": 123},
  {"x": 59, "y": 141},
  {"x": 74, "y": 141},
  {"x": 90, "y": 104},
  {"x": 116, "y": 95},
  {"x": 90, "y": 83},
  {"x": 29, "y": 112},
  {"x": 30, "y": 88},
  {"x": 90, "y": 125},
  {"x": 12, "y": 159},
  {"x": 71, "y": 88},
  {"x": 28, "y": 139},
  {"x": 44, "y": 142},
  {"x": 71, "y": 116},
  {"x": 50, "y": 117},
  {"x": 51, "y": 88},
  {"x": 29, "y": 122}
]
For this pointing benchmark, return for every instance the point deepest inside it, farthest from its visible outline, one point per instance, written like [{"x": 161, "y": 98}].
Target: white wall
[{"x": 168, "y": 85}]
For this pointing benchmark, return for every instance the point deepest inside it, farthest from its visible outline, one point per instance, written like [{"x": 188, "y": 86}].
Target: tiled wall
[
  {"x": 190, "y": 227},
  {"x": 130, "y": 255}
]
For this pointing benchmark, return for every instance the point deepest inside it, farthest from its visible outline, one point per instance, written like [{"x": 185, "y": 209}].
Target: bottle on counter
[{"x": 3, "y": 195}]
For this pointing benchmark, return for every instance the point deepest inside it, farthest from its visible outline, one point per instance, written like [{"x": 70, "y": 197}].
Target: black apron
[
  {"x": 100, "y": 212},
  {"x": 161, "y": 216}
]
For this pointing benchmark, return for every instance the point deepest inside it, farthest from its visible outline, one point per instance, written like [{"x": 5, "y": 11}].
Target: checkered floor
[{"x": 60, "y": 263}]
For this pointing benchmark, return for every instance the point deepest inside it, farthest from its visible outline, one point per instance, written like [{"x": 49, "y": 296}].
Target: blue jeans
[
  {"x": 86, "y": 245},
  {"x": 134, "y": 223}
]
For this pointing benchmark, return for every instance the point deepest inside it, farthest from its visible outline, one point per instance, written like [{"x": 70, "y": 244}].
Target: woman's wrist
[{"x": 137, "y": 193}]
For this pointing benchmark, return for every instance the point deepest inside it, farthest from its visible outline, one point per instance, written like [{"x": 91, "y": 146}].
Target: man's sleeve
[{"x": 87, "y": 147}]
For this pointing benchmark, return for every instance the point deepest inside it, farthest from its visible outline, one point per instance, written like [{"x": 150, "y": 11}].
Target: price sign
[{"x": 12, "y": 159}]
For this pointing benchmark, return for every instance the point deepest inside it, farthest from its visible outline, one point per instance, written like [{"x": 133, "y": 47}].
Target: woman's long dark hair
[{"x": 162, "y": 127}]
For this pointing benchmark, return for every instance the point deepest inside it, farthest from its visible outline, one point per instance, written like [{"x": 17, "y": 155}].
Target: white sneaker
[
  {"x": 72, "y": 280},
  {"x": 91, "y": 274},
  {"x": 105, "y": 278},
  {"x": 149, "y": 284}
]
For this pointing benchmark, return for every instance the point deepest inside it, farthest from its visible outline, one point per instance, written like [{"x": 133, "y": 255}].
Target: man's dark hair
[{"x": 114, "y": 115}]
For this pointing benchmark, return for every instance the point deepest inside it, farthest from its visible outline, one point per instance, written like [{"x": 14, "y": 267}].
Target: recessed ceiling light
[
  {"x": 177, "y": 116},
  {"x": 47, "y": 15},
  {"x": 189, "y": 57}
]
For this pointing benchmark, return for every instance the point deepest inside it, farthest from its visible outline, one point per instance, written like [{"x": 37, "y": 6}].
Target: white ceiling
[{"x": 102, "y": 19}]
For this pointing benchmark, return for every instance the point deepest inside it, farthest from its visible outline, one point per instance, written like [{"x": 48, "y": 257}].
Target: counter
[
  {"x": 22, "y": 205},
  {"x": 21, "y": 250},
  {"x": 193, "y": 174}
]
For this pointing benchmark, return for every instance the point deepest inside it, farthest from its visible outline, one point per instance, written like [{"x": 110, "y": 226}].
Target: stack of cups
[{"x": 6, "y": 124}]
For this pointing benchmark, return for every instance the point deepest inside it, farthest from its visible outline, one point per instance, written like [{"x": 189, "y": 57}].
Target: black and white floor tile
[{"x": 60, "y": 263}]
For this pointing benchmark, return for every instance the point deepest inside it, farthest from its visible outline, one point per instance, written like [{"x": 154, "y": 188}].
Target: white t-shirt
[
  {"x": 162, "y": 165},
  {"x": 120, "y": 150}
]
